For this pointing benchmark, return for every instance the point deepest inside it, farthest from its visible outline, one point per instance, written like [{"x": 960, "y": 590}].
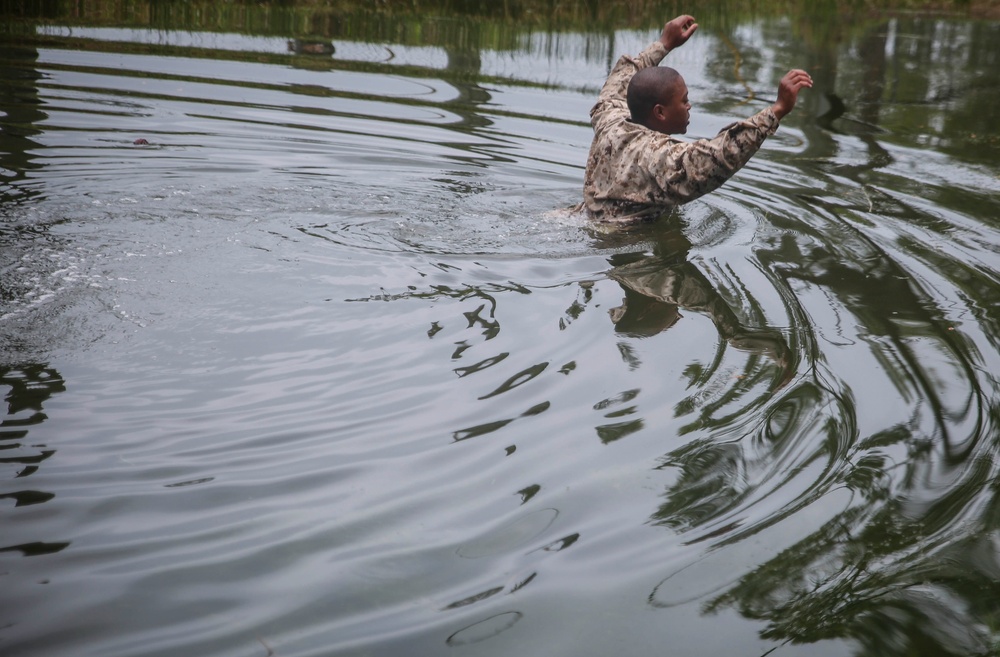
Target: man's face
[{"x": 675, "y": 114}]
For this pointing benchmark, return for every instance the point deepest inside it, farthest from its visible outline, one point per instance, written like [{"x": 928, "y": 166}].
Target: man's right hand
[
  {"x": 788, "y": 91},
  {"x": 677, "y": 32}
]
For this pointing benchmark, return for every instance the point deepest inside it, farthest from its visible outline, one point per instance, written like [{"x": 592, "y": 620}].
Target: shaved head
[{"x": 656, "y": 85}]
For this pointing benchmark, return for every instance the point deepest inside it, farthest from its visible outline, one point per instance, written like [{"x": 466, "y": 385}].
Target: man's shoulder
[
  {"x": 624, "y": 133},
  {"x": 620, "y": 124}
]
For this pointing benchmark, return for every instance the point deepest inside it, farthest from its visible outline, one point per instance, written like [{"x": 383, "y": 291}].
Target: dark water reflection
[
  {"x": 28, "y": 389},
  {"x": 321, "y": 368}
]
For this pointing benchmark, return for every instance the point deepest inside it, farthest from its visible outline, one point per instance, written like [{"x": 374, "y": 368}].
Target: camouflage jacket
[{"x": 634, "y": 173}]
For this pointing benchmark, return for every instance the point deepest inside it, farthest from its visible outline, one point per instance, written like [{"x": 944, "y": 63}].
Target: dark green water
[{"x": 322, "y": 368}]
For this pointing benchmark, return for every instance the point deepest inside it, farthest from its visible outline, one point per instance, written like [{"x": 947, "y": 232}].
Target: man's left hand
[{"x": 788, "y": 91}]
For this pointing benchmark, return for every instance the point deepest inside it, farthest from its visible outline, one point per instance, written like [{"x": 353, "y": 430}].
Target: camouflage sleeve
[
  {"x": 611, "y": 104},
  {"x": 685, "y": 171}
]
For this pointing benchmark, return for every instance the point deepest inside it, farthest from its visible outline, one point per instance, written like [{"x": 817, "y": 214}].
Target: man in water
[{"x": 636, "y": 169}]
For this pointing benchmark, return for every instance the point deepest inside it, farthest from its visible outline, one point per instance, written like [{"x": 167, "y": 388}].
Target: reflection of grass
[
  {"x": 635, "y": 12},
  {"x": 487, "y": 23}
]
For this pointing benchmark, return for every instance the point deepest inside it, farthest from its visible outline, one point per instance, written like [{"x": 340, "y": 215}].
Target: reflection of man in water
[
  {"x": 636, "y": 169},
  {"x": 658, "y": 286}
]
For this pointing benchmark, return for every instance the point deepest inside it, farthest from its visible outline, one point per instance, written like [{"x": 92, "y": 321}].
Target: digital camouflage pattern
[{"x": 634, "y": 173}]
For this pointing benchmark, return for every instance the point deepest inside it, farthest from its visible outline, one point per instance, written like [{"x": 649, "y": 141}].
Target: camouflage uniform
[{"x": 634, "y": 173}]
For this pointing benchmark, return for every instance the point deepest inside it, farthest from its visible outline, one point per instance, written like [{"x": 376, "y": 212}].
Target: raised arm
[
  {"x": 676, "y": 32},
  {"x": 684, "y": 171},
  {"x": 689, "y": 170},
  {"x": 788, "y": 91}
]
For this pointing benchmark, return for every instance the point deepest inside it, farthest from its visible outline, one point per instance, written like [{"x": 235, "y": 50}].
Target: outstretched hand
[
  {"x": 788, "y": 91},
  {"x": 678, "y": 31}
]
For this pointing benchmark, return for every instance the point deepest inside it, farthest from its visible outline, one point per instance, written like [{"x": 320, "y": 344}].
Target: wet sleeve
[
  {"x": 684, "y": 171},
  {"x": 611, "y": 103}
]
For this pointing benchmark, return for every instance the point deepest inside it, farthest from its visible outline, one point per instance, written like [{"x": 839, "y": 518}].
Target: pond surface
[{"x": 323, "y": 368}]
